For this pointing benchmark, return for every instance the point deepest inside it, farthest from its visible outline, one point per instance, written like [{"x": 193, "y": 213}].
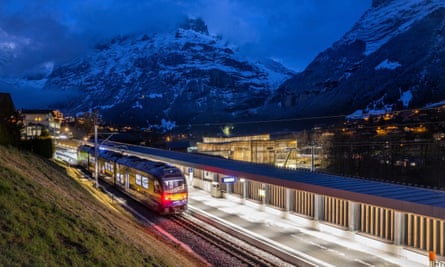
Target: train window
[
  {"x": 157, "y": 188},
  {"x": 145, "y": 182},
  {"x": 174, "y": 186},
  {"x": 120, "y": 178},
  {"x": 138, "y": 179},
  {"x": 109, "y": 166}
]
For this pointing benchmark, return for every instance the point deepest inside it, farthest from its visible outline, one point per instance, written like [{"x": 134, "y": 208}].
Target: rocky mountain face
[
  {"x": 392, "y": 58},
  {"x": 181, "y": 78}
]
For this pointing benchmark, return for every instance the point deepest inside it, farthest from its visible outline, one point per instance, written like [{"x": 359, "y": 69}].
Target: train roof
[
  {"x": 425, "y": 201},
  {"x": 86, "y": 148},
  {"x": 109, "y": 155},
  {"x": 159, "y": 169},
  {"x": 103, "y": 153}
]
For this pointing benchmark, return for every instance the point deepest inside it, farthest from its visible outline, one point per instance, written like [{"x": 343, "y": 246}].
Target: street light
[{"x": 262, "y": 195}]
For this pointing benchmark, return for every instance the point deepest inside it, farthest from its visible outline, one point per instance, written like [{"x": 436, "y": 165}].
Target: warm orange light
[
  {"x": 381, "y": 131},
  {"x": 420, "y": 129}
]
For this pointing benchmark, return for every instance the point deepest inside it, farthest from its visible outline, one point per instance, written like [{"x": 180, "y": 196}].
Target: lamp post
[{"x": 262, "y": 195}]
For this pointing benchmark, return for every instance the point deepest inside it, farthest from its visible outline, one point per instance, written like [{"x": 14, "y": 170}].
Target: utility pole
[{"x": 96, "y": 154}]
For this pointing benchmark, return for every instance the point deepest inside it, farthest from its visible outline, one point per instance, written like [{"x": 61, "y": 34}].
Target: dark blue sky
[{"x": 35, "y": 34}]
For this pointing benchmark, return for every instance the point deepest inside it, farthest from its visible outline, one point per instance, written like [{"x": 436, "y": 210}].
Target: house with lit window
[{"x": 37, "y": 120}]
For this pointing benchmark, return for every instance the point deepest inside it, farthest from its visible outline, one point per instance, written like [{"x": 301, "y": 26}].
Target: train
[{"x": 158, "y": 185}]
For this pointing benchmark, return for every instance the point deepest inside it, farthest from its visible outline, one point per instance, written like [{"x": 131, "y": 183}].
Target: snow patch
[
  {"x": 386, "y": 64},
  {"x": 437, "y": 104},
  {"x": 137, "y": 105},
  {"x": 120, "y": 95},
  {"x": 358, "y": 114},
  {"x": 376, "y": 108},
  {"x": 167, "y": 125},
  {"x": 153, "y": 96},
  {"x": 406, "y": 97},
  {"x": 107, "y": 106}
]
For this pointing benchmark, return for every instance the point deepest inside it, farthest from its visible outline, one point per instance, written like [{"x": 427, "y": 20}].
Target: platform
[{"x": 322, "y": 244}]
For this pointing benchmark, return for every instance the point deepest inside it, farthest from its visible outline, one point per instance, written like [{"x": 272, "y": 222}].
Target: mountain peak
[
  {"x": 181, "y": 77},
  {"x": 396, "y": 48},
  {"x": 195, "y": 24}
]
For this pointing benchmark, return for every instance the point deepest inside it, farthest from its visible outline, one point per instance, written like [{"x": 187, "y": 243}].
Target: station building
[{"x": 280, "y": 151}]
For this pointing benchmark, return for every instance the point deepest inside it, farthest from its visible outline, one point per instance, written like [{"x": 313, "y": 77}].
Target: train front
[{"x": 174, "y": 195}]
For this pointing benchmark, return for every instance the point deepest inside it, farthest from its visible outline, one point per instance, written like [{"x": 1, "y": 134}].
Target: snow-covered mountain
[
  {"x": 392, "y": 58},
  {"x": 183, "y": 77}
]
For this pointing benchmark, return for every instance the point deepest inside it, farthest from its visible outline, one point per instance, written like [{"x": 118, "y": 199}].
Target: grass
[{"x": 50, "y": 219}]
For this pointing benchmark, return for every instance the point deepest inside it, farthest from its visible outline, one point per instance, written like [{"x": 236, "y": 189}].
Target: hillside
[{"x": 50, "y": 219}]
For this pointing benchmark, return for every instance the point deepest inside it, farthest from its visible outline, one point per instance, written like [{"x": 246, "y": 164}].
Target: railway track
[
  {"x": 215, "y": 246},
  {"x": 221, "y": 241},
  {"x": 211, "y": 240}
]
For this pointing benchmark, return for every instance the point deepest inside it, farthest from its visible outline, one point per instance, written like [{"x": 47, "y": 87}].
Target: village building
[{"x": 35, "y": 121}]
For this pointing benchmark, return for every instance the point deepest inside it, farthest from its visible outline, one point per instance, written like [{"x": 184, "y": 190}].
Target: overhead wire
[{"x": 299, "y": 119}]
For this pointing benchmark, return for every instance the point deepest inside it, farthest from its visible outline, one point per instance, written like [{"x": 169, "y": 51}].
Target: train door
[
  {"x": 157, "y": 194},
  {"x": 118, "y": 171},
  {"x": 152, "y": 197},
  {"x": 127, "y": 180},
  {"x": 120, "y": 179},
  {"x": 114, "y": 172}
]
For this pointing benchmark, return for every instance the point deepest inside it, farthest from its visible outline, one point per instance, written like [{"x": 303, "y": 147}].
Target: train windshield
[{"x": 174, "y": 185}]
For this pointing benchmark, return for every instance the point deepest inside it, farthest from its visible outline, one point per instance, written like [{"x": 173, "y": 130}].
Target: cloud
[
  {"x": 36, "y": 33},
  {"x": 294, "y": 31},
  {"x": 35, "y": 40}
]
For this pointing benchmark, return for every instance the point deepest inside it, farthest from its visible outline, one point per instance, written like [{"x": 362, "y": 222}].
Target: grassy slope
[{"x": 50, "y": 219}]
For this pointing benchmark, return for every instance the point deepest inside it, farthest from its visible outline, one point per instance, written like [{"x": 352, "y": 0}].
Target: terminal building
[{"x": 280, "y": 151}]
